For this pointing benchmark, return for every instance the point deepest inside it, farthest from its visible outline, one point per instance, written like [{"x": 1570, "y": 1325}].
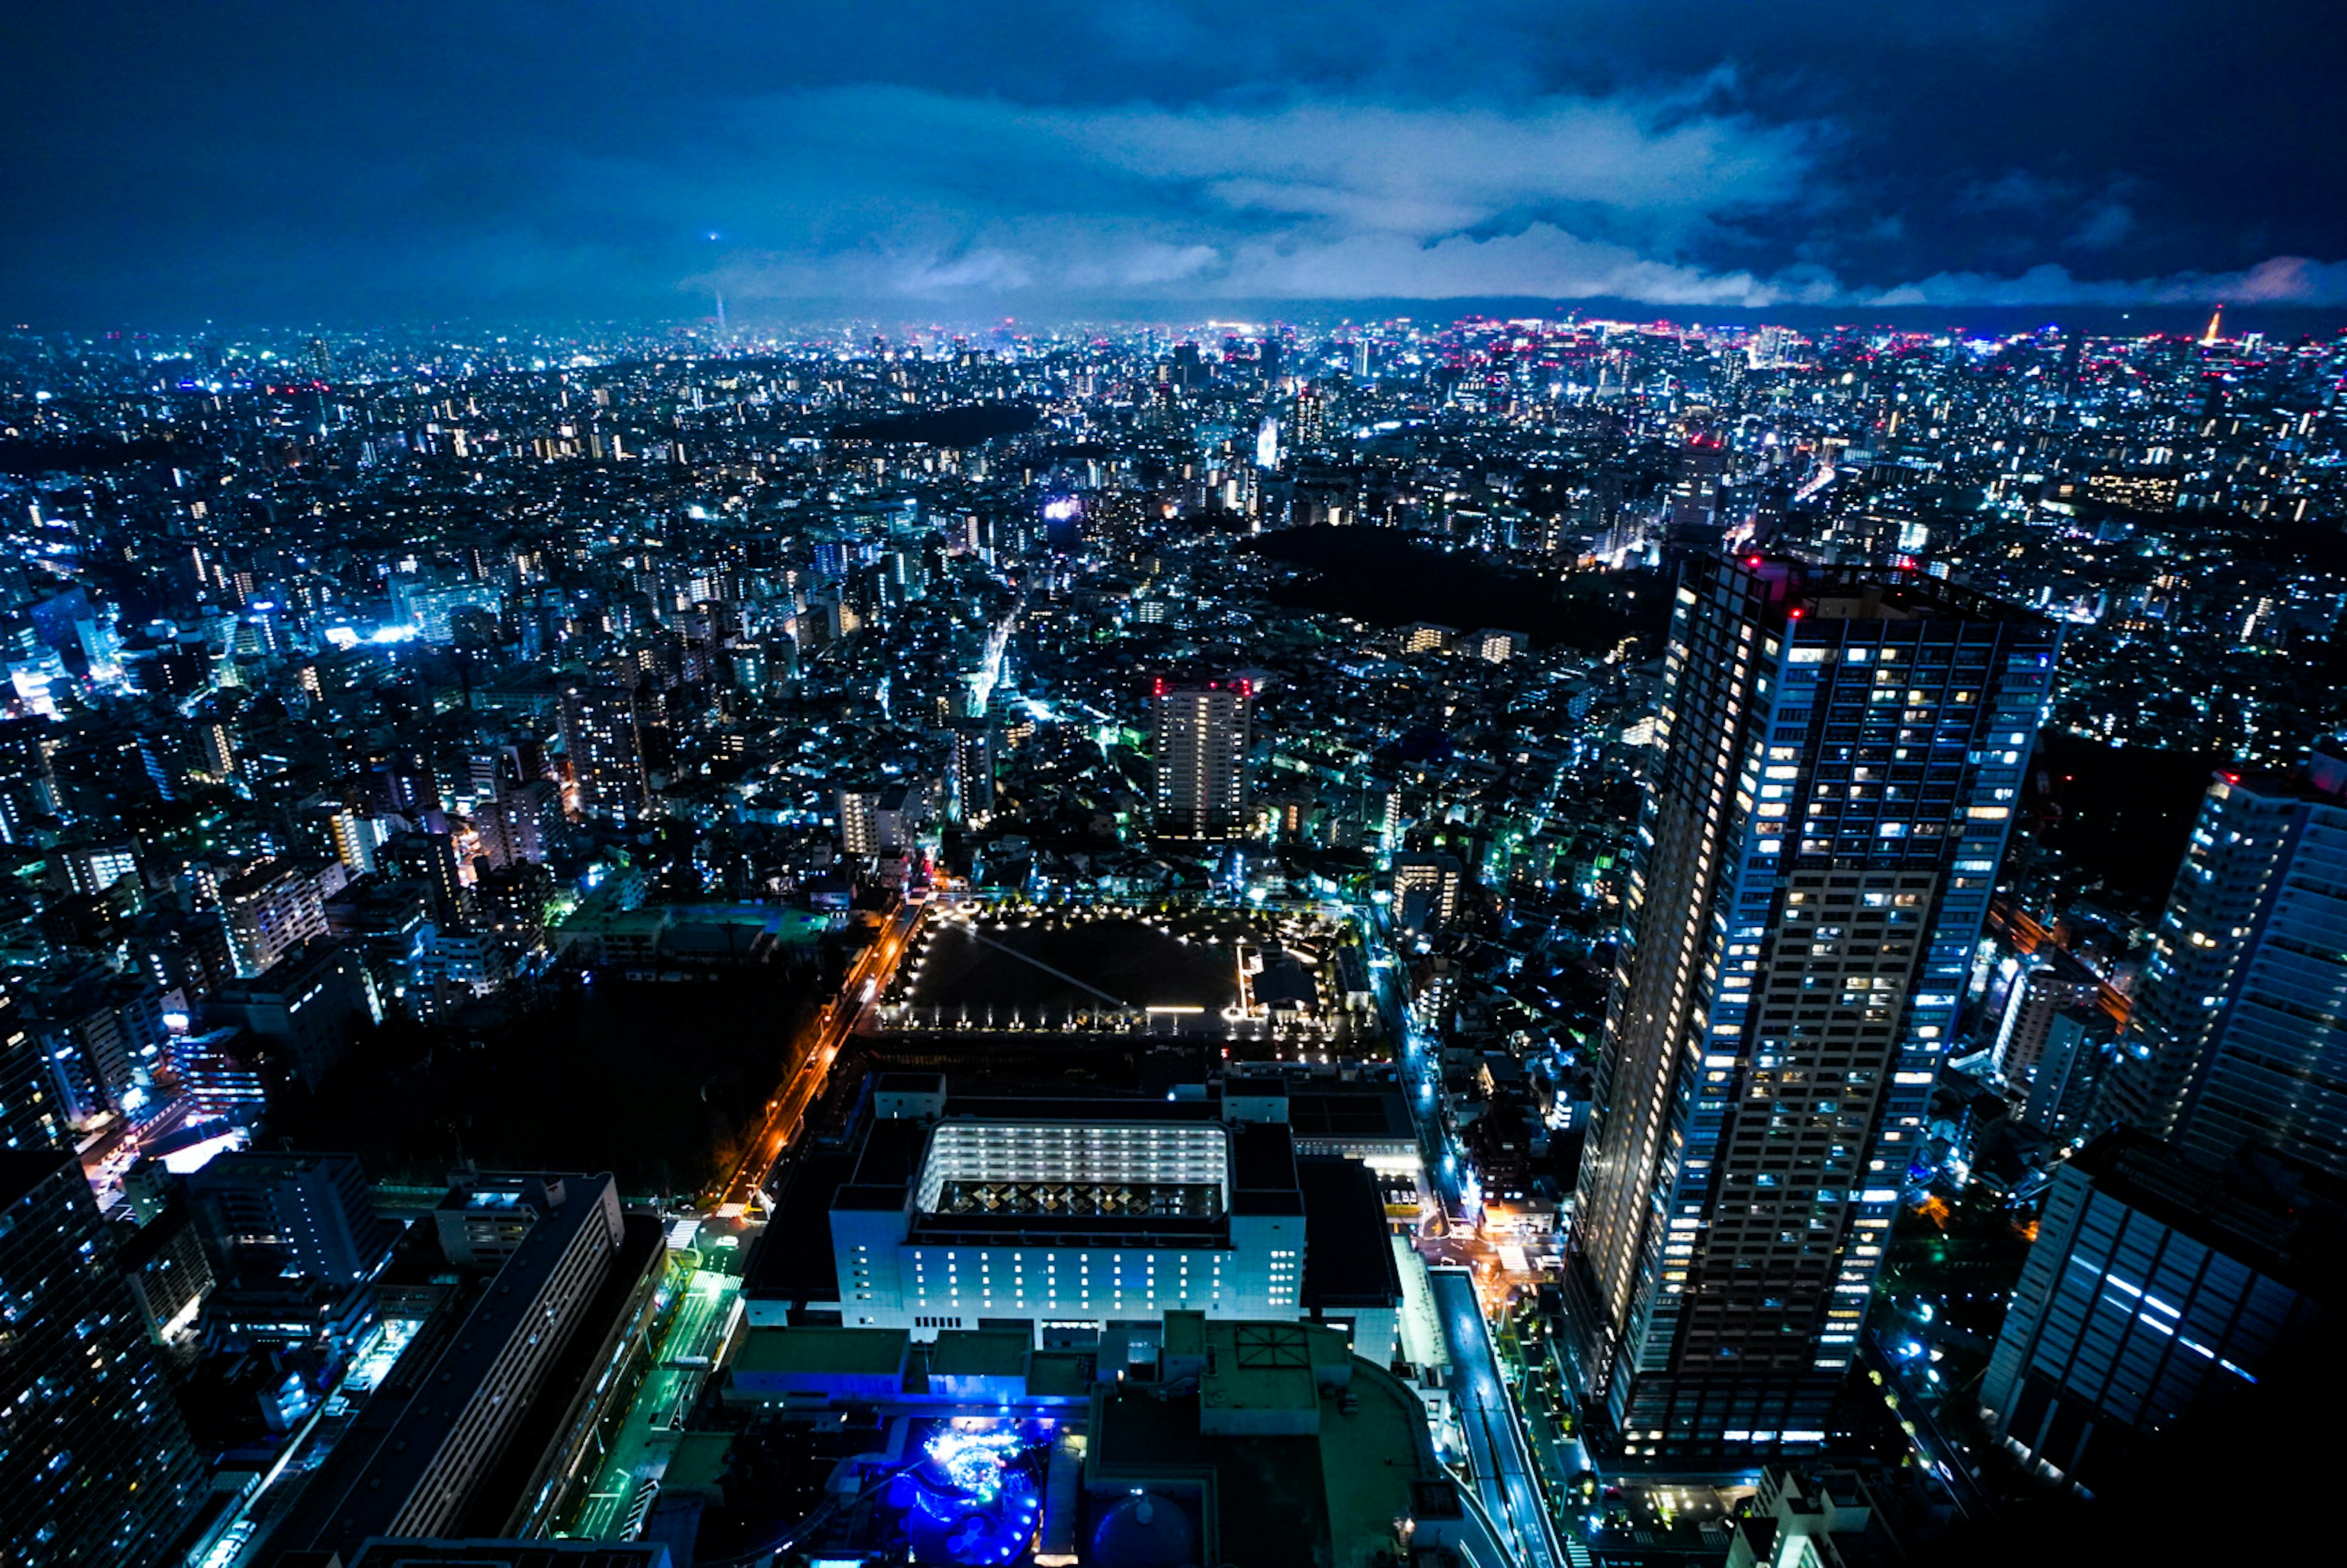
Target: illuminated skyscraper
[
  {"x": 2237, "y": 1039},
  {"x": 1201, "y": 758},
  {"x": 1267, "y": 442},
  {"x": 1840, "y": 759},
  {"x": 95, "y": 1467},
  {"x": 601, "y": 734}
]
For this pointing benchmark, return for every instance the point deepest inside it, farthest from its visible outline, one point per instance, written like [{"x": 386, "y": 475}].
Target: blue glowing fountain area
[{"x": 975, "y": 1494}]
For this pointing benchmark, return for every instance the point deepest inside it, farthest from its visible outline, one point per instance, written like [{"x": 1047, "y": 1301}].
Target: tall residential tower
[
  {"x": 1841, "y": 756},
  {"x": 2238, "y": 1039},
  {"x": 1201, "y": 757},
  {"x": 96, "y": 1465},
  {"x": 602, "y": 736}
]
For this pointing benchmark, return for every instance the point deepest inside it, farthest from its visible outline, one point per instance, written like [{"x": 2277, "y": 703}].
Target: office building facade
[
  {"x": 2158, "y": 1293},
  {"x": 1200, "y": 756},
  {"x": 1840, "y": 758}
]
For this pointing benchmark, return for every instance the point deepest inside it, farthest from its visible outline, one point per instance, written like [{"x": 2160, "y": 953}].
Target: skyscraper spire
[{"x": 2216, "y": 325}]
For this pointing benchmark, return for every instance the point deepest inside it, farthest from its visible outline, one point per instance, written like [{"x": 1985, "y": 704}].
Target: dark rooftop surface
[
  {"x": 1348, "y": 1111},
  {"x": 21, "y": 1170},
  {"x": 1347, "y": 1260},
  {"x": 1084, "y": 1109},
  {"x": 793, "y": 1260},
  {"x": 890, "y": 1155},
  {"x": 2282, "y": 1218},
  {"x": 1270, "y": 1495},
  {"x": 1263, "y": 1170}
]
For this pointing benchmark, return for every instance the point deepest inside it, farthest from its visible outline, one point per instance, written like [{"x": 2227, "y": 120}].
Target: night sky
[{"x": 171, "y": 163}]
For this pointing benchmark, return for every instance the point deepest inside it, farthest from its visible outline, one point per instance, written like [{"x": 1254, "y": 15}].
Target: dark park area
[
  {"x": 1391, "y": 579},
  {"x": 651, "y": 1081}
]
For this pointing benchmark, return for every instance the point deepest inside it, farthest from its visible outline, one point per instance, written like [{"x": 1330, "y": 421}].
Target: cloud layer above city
[{"x": 266, "y": 161}]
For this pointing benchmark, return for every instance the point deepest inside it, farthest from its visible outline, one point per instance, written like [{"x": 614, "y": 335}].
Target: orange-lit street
[{"x": 811, "y": 1067}]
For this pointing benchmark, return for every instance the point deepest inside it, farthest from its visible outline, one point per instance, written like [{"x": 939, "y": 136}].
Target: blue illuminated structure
[{"x": 974, "y": 1497}]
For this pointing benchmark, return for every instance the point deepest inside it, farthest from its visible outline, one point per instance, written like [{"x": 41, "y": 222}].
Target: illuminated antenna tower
[
  {"x": 2216, "y": 325},
  {"x": 721, "y": 312}
]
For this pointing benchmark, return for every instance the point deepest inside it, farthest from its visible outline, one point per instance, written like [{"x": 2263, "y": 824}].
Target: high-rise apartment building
[
  {"x": 973, "y": 768},
  {"x": 103, "y": 1036},
  {"x": 95, "y": 1466},
  {"x": 2237, "y": 1038},
  {"x": 517, "y": 823},
  {"x": 1200, "y": 752},
  {"x": 1840, "y": 757},
  {"x": 858, "y": 809},
  {"x": 602, "y": 737},
  {"x": 28, "y": 1101},
  {"x": 270, "y": 908}
]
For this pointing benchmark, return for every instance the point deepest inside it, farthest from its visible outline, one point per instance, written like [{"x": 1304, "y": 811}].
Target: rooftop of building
[
  {"x": 793, "y": 1259},
  {"x": 1361, "y": 1459},
  {"x": 853, "y": 1363},
  {"x": 1810, "y": 591},
  {"x": 2322, "y": 778},
  {"x": 2282, "y": 1217},
  {"x": 819, "y": 1349},
  {"x": 1334, "y": 1112},
  {"x": 699, "y": 1464},
  {"x": 1347, "y": 1262},
  {"x": 266, "y": 1166},
  {"x": 541, "y": 1191},
  {"x": 980, "y": 1353}
]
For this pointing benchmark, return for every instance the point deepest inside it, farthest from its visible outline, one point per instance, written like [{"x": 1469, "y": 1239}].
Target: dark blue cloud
[{"x": 253, "y": 162}]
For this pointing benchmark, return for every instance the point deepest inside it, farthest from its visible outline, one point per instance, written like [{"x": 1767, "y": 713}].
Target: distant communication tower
[{"x": 2216, "y": 326}]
